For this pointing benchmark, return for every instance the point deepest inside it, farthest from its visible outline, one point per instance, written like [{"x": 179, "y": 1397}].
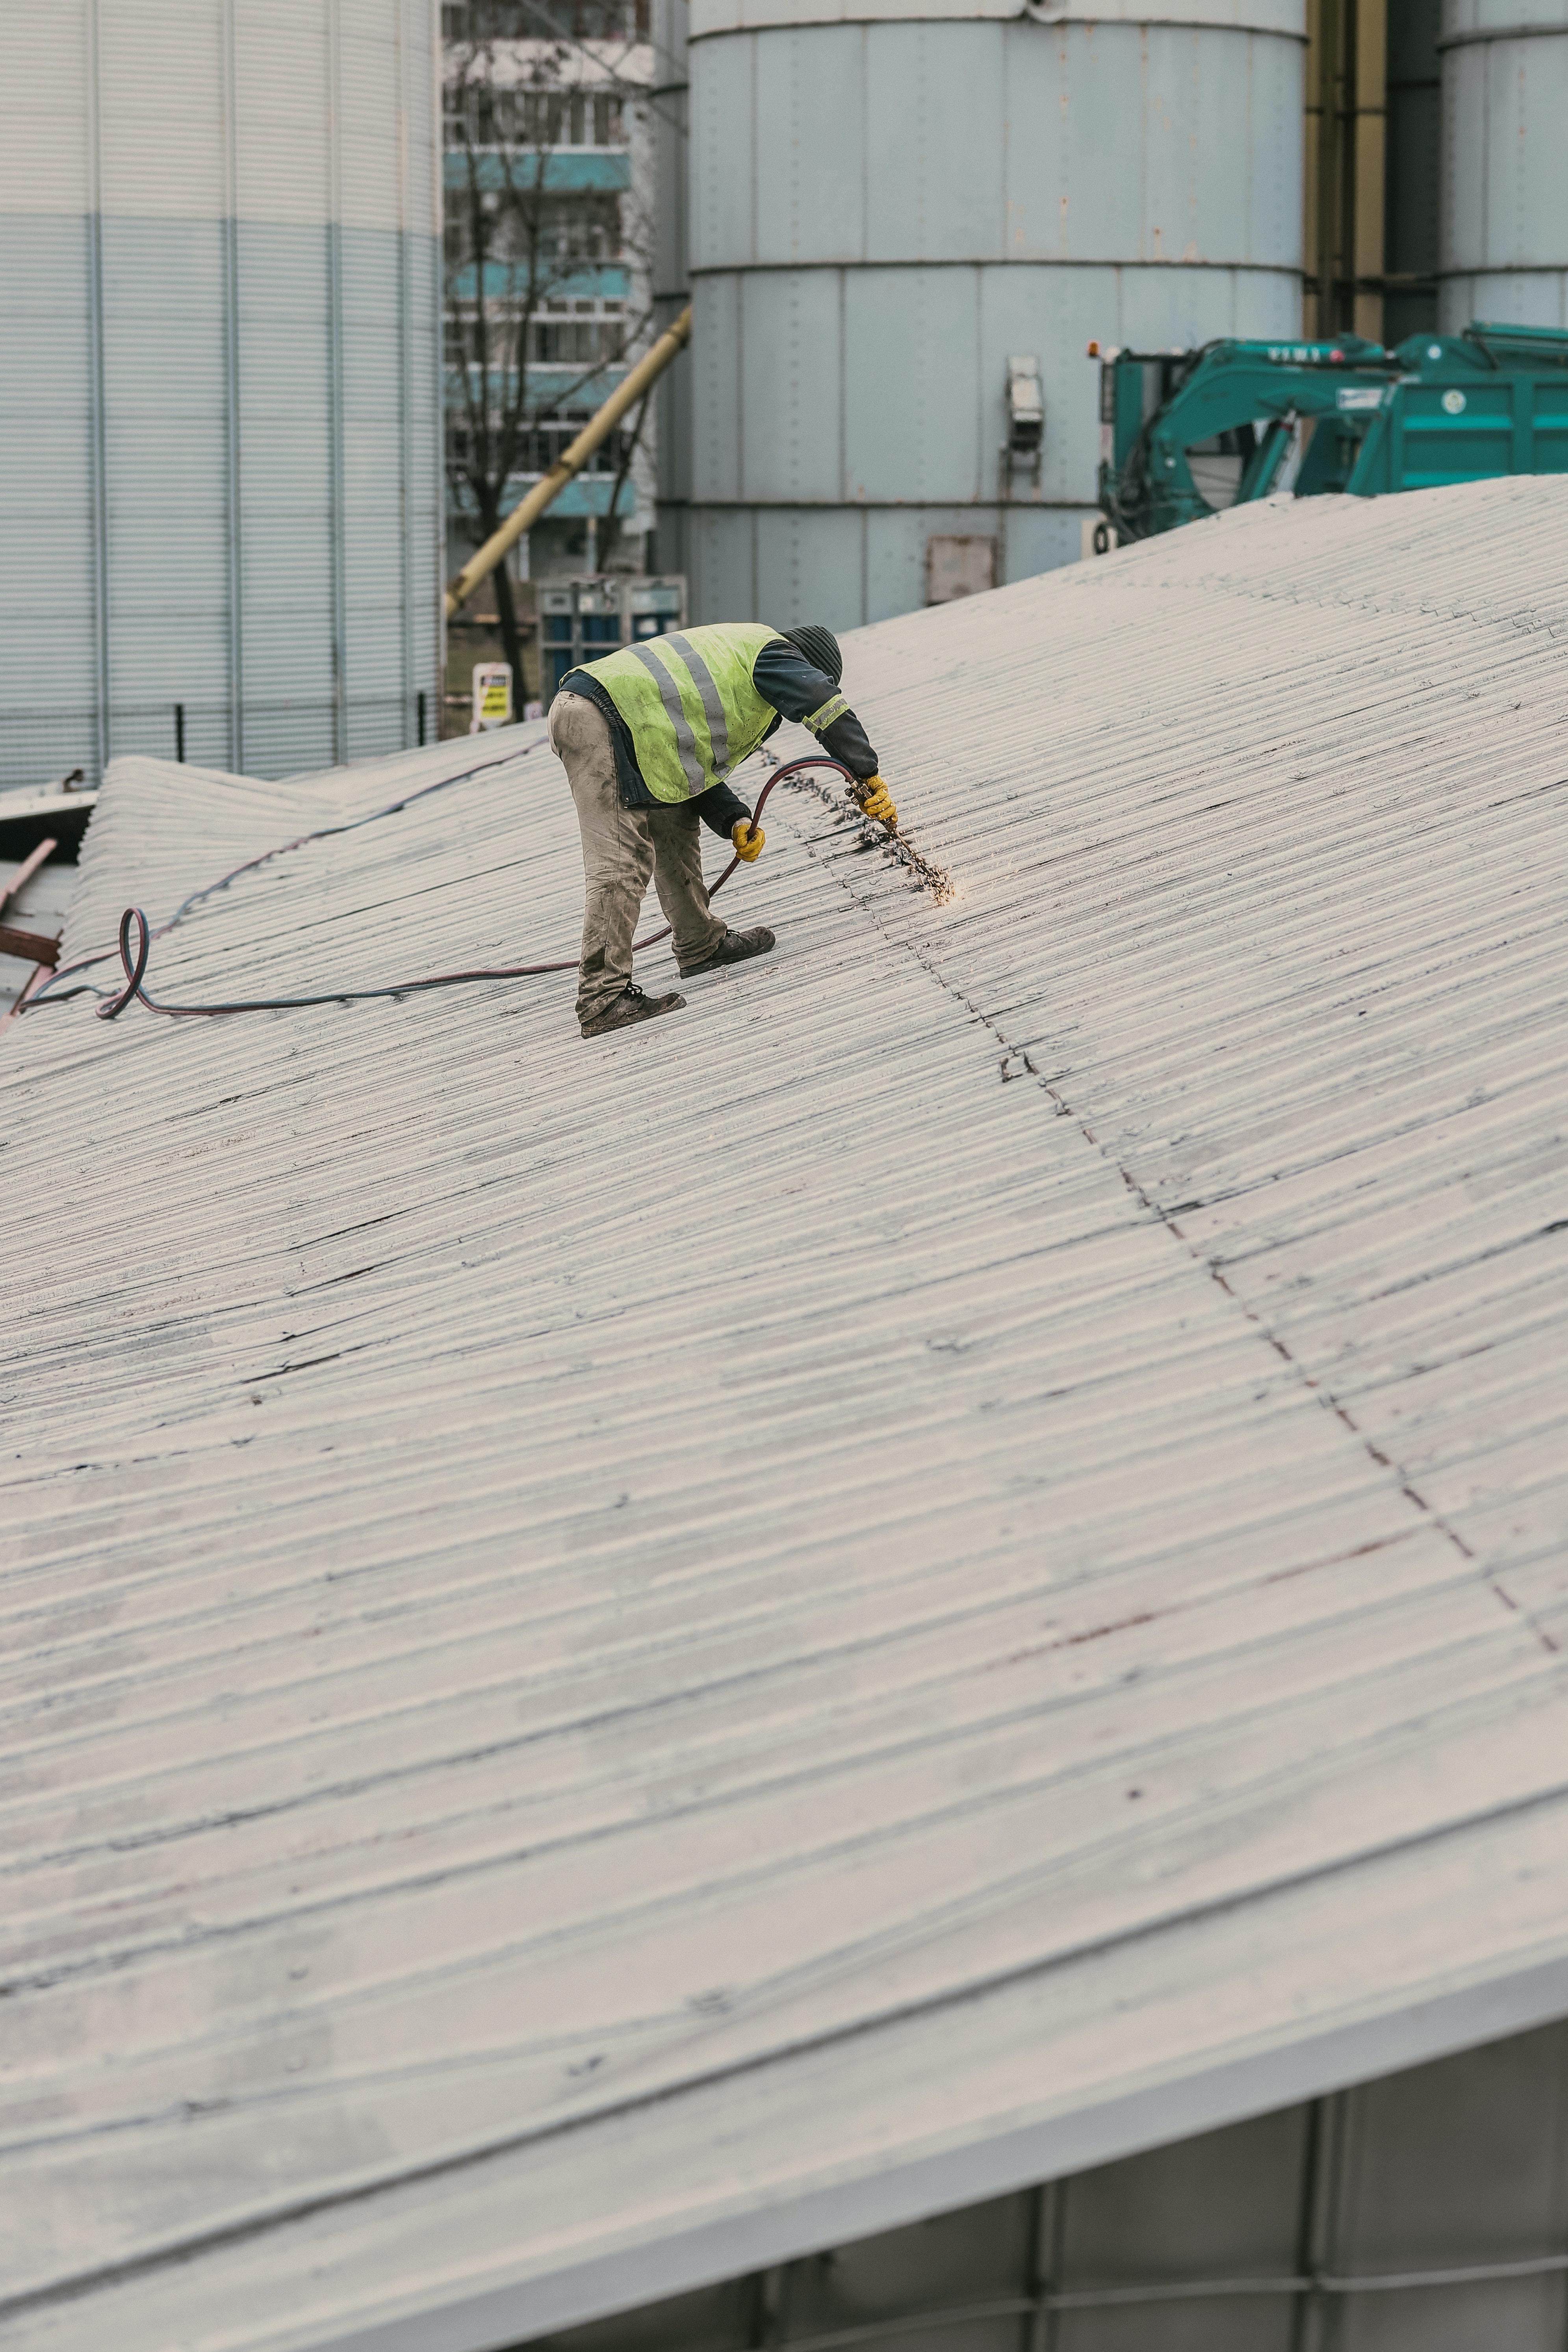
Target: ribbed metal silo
[
  {"x": 1505, "y": 162},
  {"x": 219, "y": 382},
  {"x": 882, "y": 213}
]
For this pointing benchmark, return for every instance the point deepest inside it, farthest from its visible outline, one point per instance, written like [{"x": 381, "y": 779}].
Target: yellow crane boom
[{"x": 567, "y": 467}]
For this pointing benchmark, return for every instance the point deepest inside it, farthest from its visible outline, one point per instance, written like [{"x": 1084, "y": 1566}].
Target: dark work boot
[
  {"x": 733, "y": 947},
  {"x": 629, "y": 1007}
]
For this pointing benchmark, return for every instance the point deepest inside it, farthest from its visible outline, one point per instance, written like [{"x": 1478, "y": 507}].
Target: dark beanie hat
[{"x": 820, "y": 648}]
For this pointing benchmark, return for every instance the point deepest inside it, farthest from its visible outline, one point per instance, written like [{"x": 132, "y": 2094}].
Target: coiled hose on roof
[{"x": 133, "y": 956}]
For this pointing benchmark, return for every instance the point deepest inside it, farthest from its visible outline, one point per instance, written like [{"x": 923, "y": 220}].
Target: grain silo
[
  {"x": 220, "y": 393},
  {"x": 1505, "y": 162},
  {"x": 888, "y": 218}
]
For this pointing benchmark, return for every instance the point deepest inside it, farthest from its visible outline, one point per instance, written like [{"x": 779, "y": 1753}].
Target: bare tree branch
[{"x": 521, "y": 229}]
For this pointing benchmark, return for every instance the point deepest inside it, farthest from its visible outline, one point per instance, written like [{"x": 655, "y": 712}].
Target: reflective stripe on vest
[
  {"x": 713, "y": 705},
  {"x": 689, "y": 703},
  {"x": 669, "y": 695}
]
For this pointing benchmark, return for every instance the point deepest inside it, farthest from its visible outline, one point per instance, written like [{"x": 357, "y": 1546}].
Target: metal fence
[{"x": 38, "y": 747}]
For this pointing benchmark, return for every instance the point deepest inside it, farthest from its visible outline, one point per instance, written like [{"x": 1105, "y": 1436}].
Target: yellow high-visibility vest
[{"x": 689, "y": 700}]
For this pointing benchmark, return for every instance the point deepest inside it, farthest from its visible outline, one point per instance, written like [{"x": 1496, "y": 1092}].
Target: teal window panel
[{"x": 559, "y": 171}]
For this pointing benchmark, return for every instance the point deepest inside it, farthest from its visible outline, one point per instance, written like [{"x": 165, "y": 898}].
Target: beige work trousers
[{"x": 621, "y": 847}]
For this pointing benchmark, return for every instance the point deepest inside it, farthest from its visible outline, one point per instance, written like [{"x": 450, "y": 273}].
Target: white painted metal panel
[
  {"x": 624, "y": 1661},
  {"x": 723, "y": 185},
  {"x": 914, "y": 410},
  {"x": 723, "y": 541},
  {"x": 822, "y": 543},
  {"x": 161, "y": 129},
  {"x": 927, "y": 144},
  {"x": 45, "y": 72},
  {"x": 718, "y": 419},
  {"x": 791, "y": 384}
]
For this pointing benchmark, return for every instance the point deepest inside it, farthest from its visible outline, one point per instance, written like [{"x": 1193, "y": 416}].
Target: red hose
[
  {"x": 281, "y": 849},
  {"x": 135, "y": 962}
]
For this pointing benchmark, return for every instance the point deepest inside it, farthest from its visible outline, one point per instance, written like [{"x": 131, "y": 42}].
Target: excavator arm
[
  {"x": 1231, "y": 422},
  {"x": 1184, "y": 434}
]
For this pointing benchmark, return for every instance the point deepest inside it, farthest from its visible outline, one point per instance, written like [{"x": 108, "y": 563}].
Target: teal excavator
[{"x": 1187, "y": 434}]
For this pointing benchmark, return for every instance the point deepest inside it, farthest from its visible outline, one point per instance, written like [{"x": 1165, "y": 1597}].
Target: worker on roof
[{"x": 648, "y": 737}]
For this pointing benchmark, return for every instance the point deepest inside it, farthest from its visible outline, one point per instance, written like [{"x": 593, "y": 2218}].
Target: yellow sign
[{"x": 492, "y": 696}]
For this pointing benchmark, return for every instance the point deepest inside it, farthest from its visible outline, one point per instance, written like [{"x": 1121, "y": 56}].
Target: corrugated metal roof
[{"x": 625, "y": 1659}]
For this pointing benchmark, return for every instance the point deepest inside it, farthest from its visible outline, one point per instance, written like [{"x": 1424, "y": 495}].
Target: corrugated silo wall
[
  {"x": 1505, "y": 162},
  {"x": 881, "y": 212},
  {"x": 219, "y": 380}
]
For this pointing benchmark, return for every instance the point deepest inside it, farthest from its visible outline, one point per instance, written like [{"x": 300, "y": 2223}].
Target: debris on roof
[
  {"x": 625, "y": 1659},
  {"x": 34, "y": 891}
]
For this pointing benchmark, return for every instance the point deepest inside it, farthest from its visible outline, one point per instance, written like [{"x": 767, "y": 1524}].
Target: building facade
[{"x": 548, "y": 202}]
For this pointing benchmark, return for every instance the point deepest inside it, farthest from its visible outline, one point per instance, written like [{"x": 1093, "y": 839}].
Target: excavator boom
[{"x": 1186, "y": 433}]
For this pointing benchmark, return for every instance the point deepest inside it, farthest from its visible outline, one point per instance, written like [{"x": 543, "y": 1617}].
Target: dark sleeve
[
  {"x": 783, "y": 675},
  {"x": 720, "y": 808}
]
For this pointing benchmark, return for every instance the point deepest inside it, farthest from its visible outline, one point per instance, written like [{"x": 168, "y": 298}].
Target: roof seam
[{"x": 1213, "y": 1266}]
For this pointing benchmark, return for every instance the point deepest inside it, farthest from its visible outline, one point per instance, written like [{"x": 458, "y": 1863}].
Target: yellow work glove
[
  {"x": 748, "y": 840},
  {"x": 874, "y": 798}
]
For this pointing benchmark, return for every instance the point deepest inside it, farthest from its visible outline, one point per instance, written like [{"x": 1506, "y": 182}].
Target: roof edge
[{"x": 1381, "y": 2042}]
